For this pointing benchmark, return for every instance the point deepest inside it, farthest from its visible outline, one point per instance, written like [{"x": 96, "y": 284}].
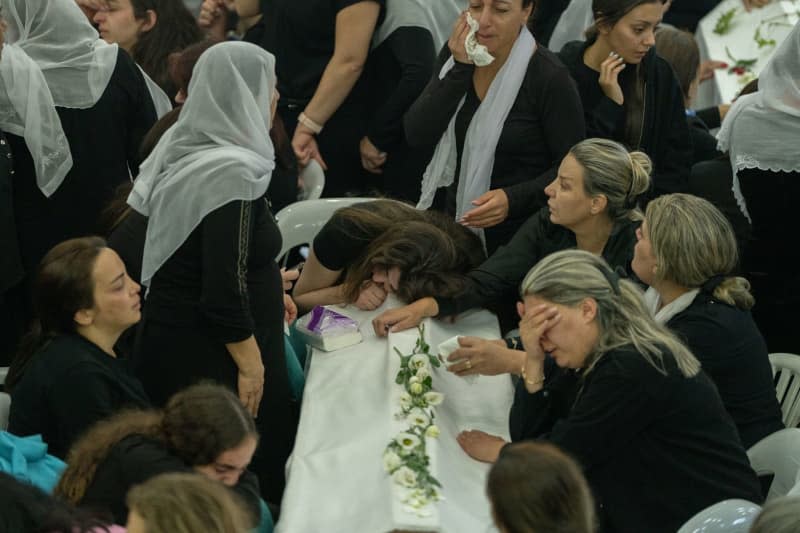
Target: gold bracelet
[
  {"x": 525, "y": 377},
  {"x": 308, "y": 123}
]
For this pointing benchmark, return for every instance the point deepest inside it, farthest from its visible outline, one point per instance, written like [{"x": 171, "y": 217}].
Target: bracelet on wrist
[
  {"x": 525, "y": 377},
  {"x": 308, "y": 123}
]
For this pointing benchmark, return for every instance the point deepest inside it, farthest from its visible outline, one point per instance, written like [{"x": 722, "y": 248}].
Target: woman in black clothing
[
  {"x": 592, "y": 206},
  {"x": 686, "y": 254},
  {"x": 648, "y": 427},
  {"x": 629, "y": 93},
  {"x": 501, "y": 128},
  {"x": 203, "y": 429},
  {"x": 214, "y": 307},
  {"x": 67, "y": 376}
]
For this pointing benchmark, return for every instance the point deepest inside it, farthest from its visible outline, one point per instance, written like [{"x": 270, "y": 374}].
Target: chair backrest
[
  {"x": 786, "y": 370},
  {"x": 728, "y": 516},
  {"x": 5, "y": 409},
  {"x": 301, "y": 221},
  {"x": 313, "y": 181},
  {"x": 778, "y": 454}
]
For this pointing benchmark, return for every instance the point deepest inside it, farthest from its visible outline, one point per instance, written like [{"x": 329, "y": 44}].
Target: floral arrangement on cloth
[{"x": 406, "y": 457}]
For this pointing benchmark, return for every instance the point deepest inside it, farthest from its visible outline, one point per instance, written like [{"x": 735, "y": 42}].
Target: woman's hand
[
  {"x": 405, "y": 317},
  {"x": 481, "y": 446},
  {"x": 481, "y": 356},
  {"x": 371, "y": 296},
  {"x": 213, "y": 18},
  {"x": 91, "y": 7},
  {"x": 707, "y": 68},
  {"x": 372, "y": 159},
  {"x": 289, "y": 309},
  {"x": 305, "y": 147},
  {"x": 251, "y": 387},
  {"x": 457, "y": 39},
  {"x": 491, "y": 209},
  {"x": 289, "y": 276},
  {"x": 609, "y": 74},
  {"x": 750, "y": 4}
]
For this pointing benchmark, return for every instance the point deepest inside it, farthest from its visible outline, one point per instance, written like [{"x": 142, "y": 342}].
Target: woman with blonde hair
[
  {"x": 184, "y": 503},
  {"x": 648, "y": 427},
  {"x": 686, "y": 252}
]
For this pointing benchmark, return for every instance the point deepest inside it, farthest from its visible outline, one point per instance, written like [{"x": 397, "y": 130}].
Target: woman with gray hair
[
  {"x": 648, "y": 427},
  {"x": 686, "y": 253}
]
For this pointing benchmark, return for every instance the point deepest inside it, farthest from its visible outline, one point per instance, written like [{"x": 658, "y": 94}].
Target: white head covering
[
  {"x": 218, "y": 151},
  {"x": 27, "y": 110},
  {"x": 572, "y": 24},
  {"x": 761, "y": 130},
  {"x": 436, "y": 16},
  {"x": 57, "y": 36}
]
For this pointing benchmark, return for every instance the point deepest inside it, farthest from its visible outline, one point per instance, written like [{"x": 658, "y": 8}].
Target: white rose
[
  {"x": 407, "y": 441},
  {"x": 415, "y": 388},
  {"x": 405, "y": 400},
  {"x": 405, "y": 476},
  {"x": 418, "y": 361},
  {"x": 391, "y": 461},
  {"x": 413, "y": 379},
  {"x": 422, "y": 373},
  {"x": 434, "y": 398},
  {"x": 432, "y": 431},
  {"x": 418, "y": 417}
]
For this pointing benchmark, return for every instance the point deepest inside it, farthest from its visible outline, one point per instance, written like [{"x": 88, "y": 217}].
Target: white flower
[
  {"x": 415, "y": 388},
  {"x": 405, "y": 400},
  {"x": 391, "y": 461},
  {"x": 418, "y": 361},
  {"x": 413, "y": 379},
  {"x": 405, "y": 476},
  {"x": 432, "y": 431},
  {"x": 417, "y": 417},
  {"x": 434, "y": 398},
  {"x": 423, "y": 373},
  {"x": 407, "y": 441}
]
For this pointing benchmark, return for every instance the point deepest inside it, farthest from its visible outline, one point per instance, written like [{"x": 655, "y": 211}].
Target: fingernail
[{"x": 611, "y": 54}]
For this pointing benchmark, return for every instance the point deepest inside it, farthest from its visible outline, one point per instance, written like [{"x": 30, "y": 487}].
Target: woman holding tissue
[{"x": 504, "y": 111}]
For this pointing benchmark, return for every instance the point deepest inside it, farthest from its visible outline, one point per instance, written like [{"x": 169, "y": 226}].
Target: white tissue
[
  {"x": 476, "y": 52},
  {"x": 449, "y": 346}
]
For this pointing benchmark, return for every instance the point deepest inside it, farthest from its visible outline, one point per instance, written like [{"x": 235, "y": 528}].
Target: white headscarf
[
  {"x": 436, "y": 16},
  {"x": 480, "y": 143},
  {"x": 762, "y": 130},
  {"x": 572, "y": 24},
  {"x": 57, "y": 36},
  {"x": 218, "y": 151},
  {"x": 27, "y": 110}
]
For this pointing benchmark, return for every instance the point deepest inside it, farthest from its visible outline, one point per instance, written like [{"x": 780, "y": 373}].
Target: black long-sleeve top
[
  {"x": 68, "y": 386},
  {"x": 734, "y": 355},
  {"x": 537, "y": 238},
  {"x": 664, "y": 131},
  {"x": 545, "y": 121},
  {"x": 655, "y": 447},
  {"x": 134, "y": 460}
]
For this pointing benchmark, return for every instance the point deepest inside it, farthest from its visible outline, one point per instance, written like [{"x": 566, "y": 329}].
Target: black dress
[
  {"x": 71, "y": 384},
  {"x": 655, "y": 447},
  {"x": 222, "y": 286},
  {"x": 542, "y": 125},
  {"x": 302, "y": 36},
  {"x": 11, "y": 271}
]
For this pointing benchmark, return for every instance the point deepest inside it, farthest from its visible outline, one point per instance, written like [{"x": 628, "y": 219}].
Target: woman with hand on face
[
  {"x": 648, "y": 426},
  {"x": 629, "y": 93},
  {"x": 66, "y": 375},
  {"x": 214, "y": 309},
  {"x": 592, "y": 206},
  {"x": 501, "y": 128},
  {"x": 687, "y": 253}
]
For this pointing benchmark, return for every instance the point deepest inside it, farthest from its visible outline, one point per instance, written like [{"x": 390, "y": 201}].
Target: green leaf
[{"x": 723, "y": 24}]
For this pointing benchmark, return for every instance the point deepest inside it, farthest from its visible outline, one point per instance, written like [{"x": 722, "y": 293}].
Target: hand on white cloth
[
  {"x": 750, "y": 4},
  {"x": 480, "y": 445},
  {"x": 609, "y": 77},
  {"x": 405, "y": 317},
  {"x": 305, "y": 147},
  {"x": 371, "y": 296},
  {"x": 707, "y": 68},
  {"x": 491, "y": 208},
  {"x": 487, "y": 357},
  {"x": 372, "y": 159}
]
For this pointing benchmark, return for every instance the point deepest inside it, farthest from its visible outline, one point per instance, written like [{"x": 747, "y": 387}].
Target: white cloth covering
[
  {"x": 436, "y": 16},
  {"x": 218, "y": 151},
  {"x": 482, "y": 136},
  {"x": 762, "y": 130},
  {"x": 27, "y": 110},
  {"x": 572, "y": 24},
  {"x": 664, "y": 314},
  {"x": 160, "y": 99},
  {"x": 57, "y": 36}
]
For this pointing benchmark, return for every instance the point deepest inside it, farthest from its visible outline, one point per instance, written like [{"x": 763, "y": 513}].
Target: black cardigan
[
  {"x": 655, "y": 448},
  {"x": 734, "y": 355},
  {"x": 664, "y": 131}
]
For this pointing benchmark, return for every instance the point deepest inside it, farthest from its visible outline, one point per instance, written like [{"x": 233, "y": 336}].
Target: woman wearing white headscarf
[
  {"x": 214, "y": 309},
  {"x": 761, "y": 133},
  {"x": 76, "y": 110},
  {"x": 399, "y": 67}
]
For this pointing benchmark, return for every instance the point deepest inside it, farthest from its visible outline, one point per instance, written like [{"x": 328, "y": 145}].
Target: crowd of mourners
[{"x": 630, "y": 251}]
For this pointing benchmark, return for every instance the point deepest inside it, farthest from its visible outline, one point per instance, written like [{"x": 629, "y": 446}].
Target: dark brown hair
[
  {"x": 197, "y": 425},
  {"x": 181, "y": 63},
  {"x": 64, "y": 285},
  {"x": 536, "y": 487},
  {"x": 680, "y": 50}
]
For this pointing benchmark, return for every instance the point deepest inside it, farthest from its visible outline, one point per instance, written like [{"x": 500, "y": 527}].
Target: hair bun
[{"x": 641, "y": 167}]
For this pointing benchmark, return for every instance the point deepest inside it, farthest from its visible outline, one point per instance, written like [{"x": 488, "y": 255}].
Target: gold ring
[{"x": 469, "y": 364}]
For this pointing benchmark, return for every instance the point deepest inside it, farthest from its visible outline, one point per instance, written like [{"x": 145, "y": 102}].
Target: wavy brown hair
[{"x": 197, "y": 425}]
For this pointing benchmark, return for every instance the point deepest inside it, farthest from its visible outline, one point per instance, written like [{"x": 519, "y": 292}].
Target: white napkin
[
  {"x": 449, "y": 346},
  {"x": 476, "y": 52}
]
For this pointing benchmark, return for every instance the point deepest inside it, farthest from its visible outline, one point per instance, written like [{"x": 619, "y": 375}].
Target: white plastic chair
[
  {"x": 728, "y": 516},
  {"x": 778, "y": 454},
  {"x": 786, "y": 370},
  {"x": 5, "y": 409},
  {"x": 301, "y": 221},
  {"x": 313, "y": 181}
]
